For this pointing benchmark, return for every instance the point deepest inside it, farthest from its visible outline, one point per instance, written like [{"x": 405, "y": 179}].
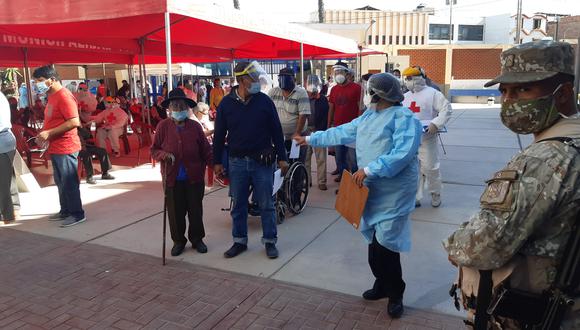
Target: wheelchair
[{"x": 291, "y": 197}]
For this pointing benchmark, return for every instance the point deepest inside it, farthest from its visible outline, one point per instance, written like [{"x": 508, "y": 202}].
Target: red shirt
[
  {"x": 61, "y": 107},
  {"x": 346, "y": 101},
  {"x": 102, "y": 90}
]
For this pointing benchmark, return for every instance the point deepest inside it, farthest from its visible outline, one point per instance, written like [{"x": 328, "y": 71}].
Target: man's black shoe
[
  {"x": 91, "y": 180},
  {"x": 177, "y": 249},
  {"x": 335, "y": 172},
  {"x": 271, "y": 250},
  {"x": 395, "y": 307},
  {"x": 236, "y": 249},
  {"x": 373, "y": 294},
  {"x": 107, "y": 176},
  {"x": 200, "y": 247}
]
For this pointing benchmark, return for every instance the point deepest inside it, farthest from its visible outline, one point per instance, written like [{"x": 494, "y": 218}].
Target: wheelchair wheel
[
  {"x": 296, "y": 186},
  {"x": 280, "y": 212}
]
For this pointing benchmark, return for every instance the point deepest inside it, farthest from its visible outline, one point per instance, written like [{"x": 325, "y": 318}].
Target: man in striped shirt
[{"x": 293, "y": 107}]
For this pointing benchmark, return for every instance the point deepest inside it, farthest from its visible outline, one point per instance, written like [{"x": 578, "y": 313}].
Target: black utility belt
[{"x": 264, "y": 157}]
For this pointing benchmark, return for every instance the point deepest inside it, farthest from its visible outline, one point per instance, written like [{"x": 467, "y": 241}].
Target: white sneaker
[{"x": 435, "y": 199}]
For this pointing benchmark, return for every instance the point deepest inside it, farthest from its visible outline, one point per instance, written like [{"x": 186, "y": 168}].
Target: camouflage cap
[{"x": 535, "y": 61}]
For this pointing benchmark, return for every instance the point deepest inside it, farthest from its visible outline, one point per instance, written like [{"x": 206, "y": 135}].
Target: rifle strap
[
  {"x": 484, "y": 292},
  {"x": 564, "y": 139}
]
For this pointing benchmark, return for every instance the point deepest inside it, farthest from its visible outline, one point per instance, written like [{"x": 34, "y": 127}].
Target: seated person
[
  {"x": 138, "y": 126},
  {"x": 113, "y": 120},
  {"x": 200, "y": 114},
  {"x": 86, "y": 101},
  {"x": 88, "y": 150}
]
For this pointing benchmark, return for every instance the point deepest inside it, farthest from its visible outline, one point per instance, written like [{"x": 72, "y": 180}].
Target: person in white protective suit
[
  {"x": 113, "y": 120},
  {"x": 434, "y": 111},
  {"x": 387, "y": 139},
  {"x": 86, "y": 101}
]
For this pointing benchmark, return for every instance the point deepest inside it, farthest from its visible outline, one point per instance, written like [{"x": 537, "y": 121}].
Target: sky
[{"x": 300, "y": 10}]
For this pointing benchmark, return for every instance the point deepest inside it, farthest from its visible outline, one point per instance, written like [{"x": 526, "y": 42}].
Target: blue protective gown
[{"x": 387, "y": 142}]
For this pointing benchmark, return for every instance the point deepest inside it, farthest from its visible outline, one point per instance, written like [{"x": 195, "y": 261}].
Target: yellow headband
[
  {"x": 249, "y": 69},
  {"x": 411, "y": 71}
]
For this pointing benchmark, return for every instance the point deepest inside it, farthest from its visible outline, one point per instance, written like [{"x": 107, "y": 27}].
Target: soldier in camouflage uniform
[{"x": 528, "y": 208}]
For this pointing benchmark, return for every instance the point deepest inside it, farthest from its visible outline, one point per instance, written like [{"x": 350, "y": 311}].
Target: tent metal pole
[
  {"x": 27, "y": 78},
  {"x": 168, "y": 51},
  {"x": 105, "y": 80},
  {"x": 132, "y": 81},
  {"x": 144, "y": 84},
  {"x": 233, "y": 64},
  {"x": 302, "y": 64},
  {"x": 577, "y": 74}
]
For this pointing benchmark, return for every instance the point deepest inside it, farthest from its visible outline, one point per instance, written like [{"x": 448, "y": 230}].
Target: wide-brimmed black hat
[{"x": 178, "y": 94}]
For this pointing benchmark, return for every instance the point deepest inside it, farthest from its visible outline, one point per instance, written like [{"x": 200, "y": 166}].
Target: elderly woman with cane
[{"x": 180, "y": 144}]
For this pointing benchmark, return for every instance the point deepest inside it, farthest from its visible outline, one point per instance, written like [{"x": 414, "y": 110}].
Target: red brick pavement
[{"x": 48, "y": 283}]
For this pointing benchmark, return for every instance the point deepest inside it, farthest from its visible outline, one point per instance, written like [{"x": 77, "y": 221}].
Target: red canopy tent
[{"x": 199, "y": 33}]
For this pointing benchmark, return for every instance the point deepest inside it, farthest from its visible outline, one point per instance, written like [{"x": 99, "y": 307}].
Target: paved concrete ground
[
  {"x": 50, "y": 283},
  {"x": 318, "y": 248}
]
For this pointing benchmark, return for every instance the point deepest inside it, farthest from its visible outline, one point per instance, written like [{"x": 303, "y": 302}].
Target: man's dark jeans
[{"x": 66, "y": 178}]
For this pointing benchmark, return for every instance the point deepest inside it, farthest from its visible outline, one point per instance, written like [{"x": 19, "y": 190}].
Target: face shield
[
  {"x": 257, "y": 74},
  {"x": 313, "y": 84}
]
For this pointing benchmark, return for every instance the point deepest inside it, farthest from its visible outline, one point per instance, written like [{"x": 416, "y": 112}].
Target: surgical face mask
[
  {"x": 41, "y": 87},
  {"x": 340, "y": 78},
  {"x": 530, "y": 116},
  {"x": 179, "y": 115},
  {"x": 371, "y": 101},
  {"x": 255, "y": 88},
  {"x": 367, "y": 100},
  {"x": 286, "y": 83},
  {"x": 415, "y": 84}
]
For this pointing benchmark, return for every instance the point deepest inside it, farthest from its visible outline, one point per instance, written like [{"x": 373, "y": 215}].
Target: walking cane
[{"x": 164, "y": 178}]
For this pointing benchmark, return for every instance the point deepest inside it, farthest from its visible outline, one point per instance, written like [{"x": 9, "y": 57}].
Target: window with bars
[
  {"x": 370, "y": 40},
  {"x": 384, "y": 39},
  {"x": 439, "y": 31},
  {"x": 471, "y": 32}
]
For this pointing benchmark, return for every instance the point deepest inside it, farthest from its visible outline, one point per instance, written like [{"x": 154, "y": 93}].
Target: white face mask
[
  {"x": 367, "y": 100},
  {"x": 416, "y": 84},
  {"x": 340, "y": 79}
]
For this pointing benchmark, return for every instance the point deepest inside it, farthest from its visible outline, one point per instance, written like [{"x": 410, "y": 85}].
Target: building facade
[{"x": 382, "y": 27}]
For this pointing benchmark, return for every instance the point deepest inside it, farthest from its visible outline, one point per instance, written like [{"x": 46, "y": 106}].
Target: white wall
[
  {"x": 497, "y": 29},
  {"x": 457, "y": 20}
]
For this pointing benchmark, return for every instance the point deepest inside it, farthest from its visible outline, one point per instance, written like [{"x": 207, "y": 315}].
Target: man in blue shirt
[{"x": 249, "y": 119}]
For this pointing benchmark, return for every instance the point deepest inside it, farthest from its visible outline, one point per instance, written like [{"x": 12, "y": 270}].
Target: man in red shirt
[
  {"x": 61, "y": 119},
  {"x": 344, "y": 106},
  {"x": 102, "y": 89}
]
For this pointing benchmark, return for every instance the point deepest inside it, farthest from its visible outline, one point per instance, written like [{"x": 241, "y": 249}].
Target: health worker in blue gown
[{"x": 387, "y": 138}]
